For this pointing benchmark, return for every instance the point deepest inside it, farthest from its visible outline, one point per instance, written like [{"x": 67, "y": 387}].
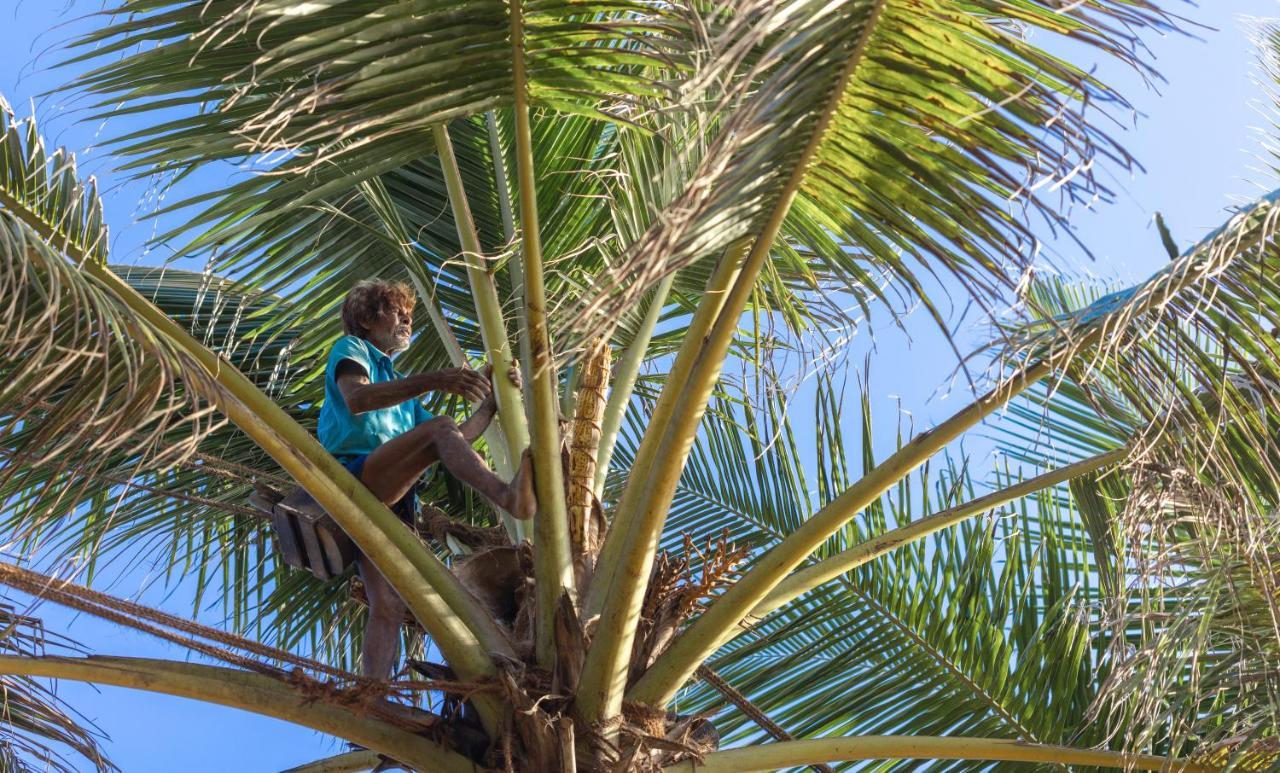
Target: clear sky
[{"x": 1198, "y": 139}]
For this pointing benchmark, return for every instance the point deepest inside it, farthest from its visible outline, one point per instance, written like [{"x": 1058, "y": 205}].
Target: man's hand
[
  {"x": 471, "y": 384},
  {"x": 513, "y": 373},
  {"x": 478, "y": 421}
]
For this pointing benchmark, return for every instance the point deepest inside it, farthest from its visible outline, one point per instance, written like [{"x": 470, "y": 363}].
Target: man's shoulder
[
  {"x": 350, "y": 347},
  {"x": 349, "y": 344}
]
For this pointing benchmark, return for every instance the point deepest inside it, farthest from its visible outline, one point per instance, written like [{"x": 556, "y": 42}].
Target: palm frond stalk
[
  {"x": 493, "y": 329},
  {"x": 765, "y": 757},
  {"x": 258, "y": 693},
  {"x": 626, "y": 557},
  {"x": 350, "y": 762},
  {"x": 553, "y": 563},
  {"x": 804, "y": 580}
]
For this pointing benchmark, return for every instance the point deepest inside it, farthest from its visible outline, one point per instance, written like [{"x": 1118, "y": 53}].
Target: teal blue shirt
[{"x": 345, "y": 434}]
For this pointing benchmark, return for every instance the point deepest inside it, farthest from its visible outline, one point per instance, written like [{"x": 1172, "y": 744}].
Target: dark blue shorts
[{"x": 406, "y": 508}]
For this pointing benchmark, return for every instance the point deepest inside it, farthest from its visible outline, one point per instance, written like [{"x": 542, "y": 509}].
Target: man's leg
[
  {"x": 389, "y": 472},
  {"x": 396, "y": 465},
  {"x": 381, "y": 647}
]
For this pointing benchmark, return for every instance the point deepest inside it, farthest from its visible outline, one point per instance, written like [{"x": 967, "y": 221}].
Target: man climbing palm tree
[{"x": 373, "y": 424}]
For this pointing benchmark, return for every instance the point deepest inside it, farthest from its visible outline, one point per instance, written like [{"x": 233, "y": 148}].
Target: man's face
[{"x": 390, "y": 332}]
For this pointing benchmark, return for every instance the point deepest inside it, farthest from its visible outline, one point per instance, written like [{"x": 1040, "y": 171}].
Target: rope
[
  {"x": 752, "y": 711},
  {"x": 132, "y": 614}
]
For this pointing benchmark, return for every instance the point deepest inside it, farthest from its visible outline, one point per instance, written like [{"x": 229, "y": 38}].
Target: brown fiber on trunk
[{"x": 584, "y": 441}]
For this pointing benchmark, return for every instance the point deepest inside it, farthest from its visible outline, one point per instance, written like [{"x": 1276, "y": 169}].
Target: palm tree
[{"x": 587, "y": 189}]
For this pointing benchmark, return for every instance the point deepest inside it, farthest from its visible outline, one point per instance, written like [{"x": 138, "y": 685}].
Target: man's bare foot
[{"x": 524, "y": 500}]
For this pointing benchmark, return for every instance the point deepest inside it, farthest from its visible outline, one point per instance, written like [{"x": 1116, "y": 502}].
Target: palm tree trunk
[{"x": 258, "y": 693}]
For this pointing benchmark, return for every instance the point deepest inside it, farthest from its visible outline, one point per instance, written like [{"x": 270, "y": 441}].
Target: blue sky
[{"x": 1198, "y": 137}]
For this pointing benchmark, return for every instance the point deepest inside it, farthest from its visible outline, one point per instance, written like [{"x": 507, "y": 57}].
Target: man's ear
[{"x": 365, "y": 322}]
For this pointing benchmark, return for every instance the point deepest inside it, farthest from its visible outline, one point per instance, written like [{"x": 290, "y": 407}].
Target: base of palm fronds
[{"x": 543, "y": 735}]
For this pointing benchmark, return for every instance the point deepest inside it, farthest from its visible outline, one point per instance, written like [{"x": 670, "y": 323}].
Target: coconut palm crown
[{"x": 635, "y": 203}]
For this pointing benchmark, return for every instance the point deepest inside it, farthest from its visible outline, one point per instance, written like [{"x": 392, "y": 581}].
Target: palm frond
[
  {"x": 38, "y": 729},
  {"x": 339, "y": 78},
  {"x": 1186, "y": 538},
  {"x": 920, "y": 157},
  {"x": 83, "y": 380}
]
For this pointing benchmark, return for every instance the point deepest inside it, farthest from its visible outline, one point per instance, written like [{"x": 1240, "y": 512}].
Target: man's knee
[
  {"x": 442, "y": 424},
  {"x": 439, "y": 427}
]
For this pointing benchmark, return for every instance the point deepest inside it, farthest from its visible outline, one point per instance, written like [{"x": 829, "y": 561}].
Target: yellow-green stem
[
  {"x": 704, "y": 317},
  {"x": 607, "y": 664},
  {"x": 258, "y": 693},
  {"x": 351, "y": 762},
  {"x": 828, "y": 569},
  {"x": 624, "y": 381},
  {"x": 514, "y": 267},
  {"x": 465, "y": 632},
  {"x": 553, "y": 565},
  {"x": 787, "y": 754},
  {"x": 701, "y": 639},
  {"x": 493, "y": 328}
]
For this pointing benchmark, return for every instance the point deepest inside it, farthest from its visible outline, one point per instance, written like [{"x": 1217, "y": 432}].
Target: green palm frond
[
  {"x": 44, "y": 190},
  {"x": 191, "y": 516},
  {"x": 84, "y": 381},
  {"x": 1185, "y": 539},
  {"x": 981, "y": 631},
  {"x": 38, "y": 729},
  {"x": 376, "y": 71},
  {"x": 941, "y": 106},
  {"x": 105, "y": 454},
  {"x": 986, "y": 629}
]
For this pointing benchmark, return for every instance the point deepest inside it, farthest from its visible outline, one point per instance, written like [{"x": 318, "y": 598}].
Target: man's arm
[
  {"x": 362, "y": 396},
  {"x": 478, "y": 422}
]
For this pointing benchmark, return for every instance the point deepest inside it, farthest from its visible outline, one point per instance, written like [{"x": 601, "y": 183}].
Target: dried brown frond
[{"x": 676, "y": 591}]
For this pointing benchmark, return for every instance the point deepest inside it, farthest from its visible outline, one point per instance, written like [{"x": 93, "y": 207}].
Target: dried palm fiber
[{"x": 345, "y": 689}]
